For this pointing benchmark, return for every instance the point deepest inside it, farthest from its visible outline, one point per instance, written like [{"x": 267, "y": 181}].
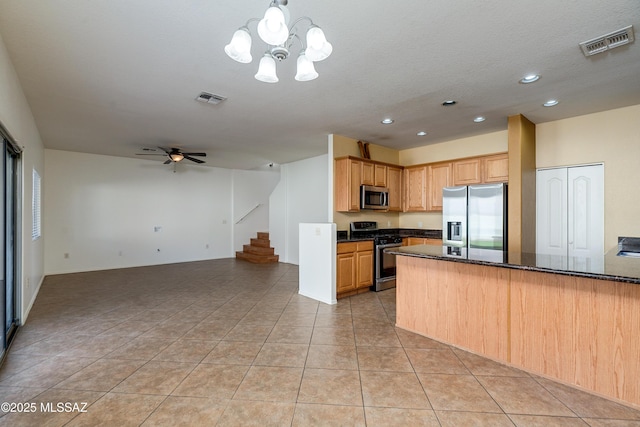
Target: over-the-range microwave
[{"x": 374, "y": 197}]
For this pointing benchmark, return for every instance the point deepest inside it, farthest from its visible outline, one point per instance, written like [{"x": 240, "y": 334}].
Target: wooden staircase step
[
  {"x": 263, "y": 235},
  {"x": 257, "y": 259},
  {"x": 258, "y": 250},
  {"x": 263, "y": 243}
]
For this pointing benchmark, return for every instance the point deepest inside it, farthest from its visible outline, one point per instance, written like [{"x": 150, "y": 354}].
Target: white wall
[
  {"x": 301, "y": 196},
  {"x": 250, "y": 189},
  {"x": 16, "y": 117},
  {"x": 102, "y": 211}
]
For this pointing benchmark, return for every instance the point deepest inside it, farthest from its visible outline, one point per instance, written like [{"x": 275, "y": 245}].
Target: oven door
[{"x": 385, "y": 267}]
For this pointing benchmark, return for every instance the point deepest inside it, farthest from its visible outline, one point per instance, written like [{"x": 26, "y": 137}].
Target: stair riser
[
  {"x": 258, "y": 250},
  {"x": 261, "y": 243},
  {"x": 263, "y": 235},
  {"x": 257, "y": 259}
]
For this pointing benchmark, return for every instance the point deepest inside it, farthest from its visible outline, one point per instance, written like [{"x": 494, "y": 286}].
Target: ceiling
[{"x": 115, "y": 76}]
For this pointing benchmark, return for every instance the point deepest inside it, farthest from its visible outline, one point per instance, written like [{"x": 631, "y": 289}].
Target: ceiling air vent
[
  {"x": 608, "y": 41},
  {"x": 210, "y": 98}
]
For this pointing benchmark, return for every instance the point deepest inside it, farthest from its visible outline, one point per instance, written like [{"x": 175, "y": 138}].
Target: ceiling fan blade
[
  {"x": 192, "y": 158},
  {"x": 195, "y": 154},
  {"x": 167, "y": 162},
  {"x": 165, "y": 150},
  {"x": 150, "y": 154}
]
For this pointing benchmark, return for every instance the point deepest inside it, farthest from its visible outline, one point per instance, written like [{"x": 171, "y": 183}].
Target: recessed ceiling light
[
  {"x": 387, "y": 121},
  {"x": 479, "y": 119},
  {"x": 551, "y": 103},
  {"x": 421, "y": 133},
  {"x": 530, "y": 78},
  {"x": 448, "y": 103}
]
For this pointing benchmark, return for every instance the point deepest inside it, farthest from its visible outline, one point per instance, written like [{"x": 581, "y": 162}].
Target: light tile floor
[{"x": 228, "y": 343}]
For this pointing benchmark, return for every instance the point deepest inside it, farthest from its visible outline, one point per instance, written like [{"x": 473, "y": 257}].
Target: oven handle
[{"x": 390, "y": 245}]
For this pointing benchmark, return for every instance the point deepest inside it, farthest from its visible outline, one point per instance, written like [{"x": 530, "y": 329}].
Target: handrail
[{"x": 247, "y": 214}]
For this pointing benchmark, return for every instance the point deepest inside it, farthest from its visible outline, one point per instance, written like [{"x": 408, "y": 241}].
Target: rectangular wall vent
[
  {"x": 210, "y": 98},
  {"x": 608, "y": 41}
]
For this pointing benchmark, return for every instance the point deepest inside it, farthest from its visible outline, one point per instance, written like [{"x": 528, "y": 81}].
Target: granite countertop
[
  {"x": 608, "y": 267},
  {"x": 343, "y": 236}
]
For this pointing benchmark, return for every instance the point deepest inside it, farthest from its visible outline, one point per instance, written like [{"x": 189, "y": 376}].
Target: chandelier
[{"x": 280, "y": 38}]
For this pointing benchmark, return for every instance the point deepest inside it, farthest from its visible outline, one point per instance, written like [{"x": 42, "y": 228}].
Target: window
[{"x": 36, "y": 231}]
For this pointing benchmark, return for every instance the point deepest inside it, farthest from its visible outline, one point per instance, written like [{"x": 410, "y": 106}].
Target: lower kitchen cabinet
[{"x": 354, "y": 268}]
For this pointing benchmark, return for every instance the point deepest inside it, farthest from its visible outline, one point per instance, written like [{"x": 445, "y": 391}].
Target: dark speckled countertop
[
  {"x": 343, "y": 236},
  {"x": 607, "y": 267}
]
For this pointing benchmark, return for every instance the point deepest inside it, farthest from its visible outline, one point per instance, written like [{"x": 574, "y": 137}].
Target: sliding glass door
[{"x": 9, "y": 238}]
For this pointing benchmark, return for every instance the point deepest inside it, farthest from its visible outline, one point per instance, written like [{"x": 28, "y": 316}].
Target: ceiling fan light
[
  {"x": 273, "y": 28},
  {"x": 305, "y": 69},
  {"x": 318, "y": 48},
  {"x": 176, "y": 157},
  {"x": 239, "y": 49},
  {"x": 267, "y": 69}
]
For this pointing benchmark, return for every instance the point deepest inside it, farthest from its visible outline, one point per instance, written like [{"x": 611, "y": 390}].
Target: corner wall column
[{"x": 522, "y": 184}]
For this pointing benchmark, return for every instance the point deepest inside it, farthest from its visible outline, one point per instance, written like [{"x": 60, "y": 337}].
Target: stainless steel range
[{"x": 384, "y": 264}]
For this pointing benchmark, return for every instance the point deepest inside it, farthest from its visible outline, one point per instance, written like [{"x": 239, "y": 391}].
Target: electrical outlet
[{"x": 420, "y": 224}]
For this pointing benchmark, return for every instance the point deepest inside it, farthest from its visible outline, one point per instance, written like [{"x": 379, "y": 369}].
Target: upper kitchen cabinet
[
  {"x": 394, "y": 184},
  {"x": 368, "y": 174},
  {"x": 347, "y": 179},
  {"x": 495, "y": 168},
  {"x": 380, "y": 175},
  {"x": 416, "y": 188},
  {"x": 350, "y": 173},
  {"x": 438, "y": 176},
  {"x": 467, "y": 171}
]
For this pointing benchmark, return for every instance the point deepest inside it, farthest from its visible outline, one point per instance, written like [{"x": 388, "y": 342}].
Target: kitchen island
[{"x": 573, "y": 320}]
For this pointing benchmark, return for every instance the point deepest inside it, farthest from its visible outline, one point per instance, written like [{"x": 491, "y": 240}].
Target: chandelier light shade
[
  {"x": 272, "y": 28},
  {"x": 240, "y": 47},
  {"x": 318, "y": 48},
  {"x": 267, "y": 69},
  {"x": 305, "y": 69},
  {"x": 280, "y": 37}
]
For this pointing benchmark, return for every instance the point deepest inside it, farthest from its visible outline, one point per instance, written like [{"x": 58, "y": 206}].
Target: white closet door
[
  {"x": 586, "y": 216},
  {"x": 551, "y": 211},
  {"x": 570, "y": 217}
]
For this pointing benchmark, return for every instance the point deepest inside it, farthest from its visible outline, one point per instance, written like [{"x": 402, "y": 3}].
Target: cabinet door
[
  {"x": 467, "y": 171},
  {"x": 345, "y": 272},
  {"x": 495, "y": 168},
  {"x": 394, "y": 184},
  {"x": 364, "y": 263},
  {"x": 439, "y": 177},
  {"x": 346, "y": 193},
  {"x": 368, "y": 174},
  {"x": 380, "y": 175},
  {"x": 416, "y": 189}
]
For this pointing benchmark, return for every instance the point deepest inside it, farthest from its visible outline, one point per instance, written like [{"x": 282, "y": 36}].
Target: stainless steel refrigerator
[{"x": 475, "y": 216}]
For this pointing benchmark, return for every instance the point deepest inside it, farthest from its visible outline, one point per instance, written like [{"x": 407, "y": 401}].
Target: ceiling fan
[{"x": 174, "y": 155}]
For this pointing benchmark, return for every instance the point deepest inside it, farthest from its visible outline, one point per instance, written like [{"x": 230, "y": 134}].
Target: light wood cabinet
[
  {"x": 364, "y": 265},
  {"x": 346, "y": 273},
  {"x": 380, "y": 175},
  {"x": 416, "y": 189},
  {"x": 347, "y": 179},
  {"x": 394, "y": 184},
  {"x": 439, "y": 176},
  {"x": 495, "y": 168},
  {"x": 411, "y": 241},
  {"x": 354, "y": 267},
  {"x": 467, "y": 171},
  {"x": 368, "y": 174}
]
